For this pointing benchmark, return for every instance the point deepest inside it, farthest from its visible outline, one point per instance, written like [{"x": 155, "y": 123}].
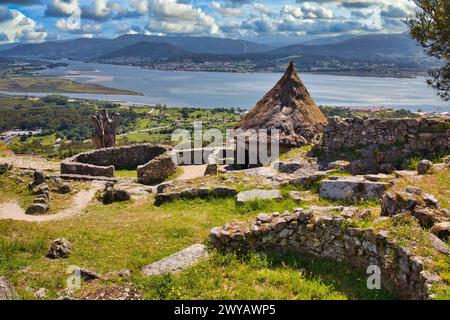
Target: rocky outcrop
[
  {"x": 303, "y": 196},
  {"x": 424, "y": 166},
  {"x": 164, "y": 196},
  {"x": 292, "y": 166},
  {"x": 302, "y": 178},
  {"x": 178, "y": 261},
  {"x": 352, "y": 188},
  {"x": 322, "y": 235},
  {"x": 4, "y": 167},
  {"x": 441, "y": 230},
  {"x": 258, "y": 194},
  {"x": 381, "y": 145},
  {"x": 7, "y": 291},
  {"x": 60, "y": 248}
]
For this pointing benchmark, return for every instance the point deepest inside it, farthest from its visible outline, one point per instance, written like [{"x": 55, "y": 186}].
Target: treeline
[
  {"x": 351, "y": 113},
  {"x": 56, "y": 114}
]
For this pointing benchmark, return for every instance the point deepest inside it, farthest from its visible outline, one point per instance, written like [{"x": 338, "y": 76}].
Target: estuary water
[{"x": 217, "y": 89}]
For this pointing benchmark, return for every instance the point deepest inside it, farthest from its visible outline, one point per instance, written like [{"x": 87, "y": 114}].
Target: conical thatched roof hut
[{"x": 289, "y": 108}]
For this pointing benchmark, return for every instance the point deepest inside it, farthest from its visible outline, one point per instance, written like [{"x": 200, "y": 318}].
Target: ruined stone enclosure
[
  {"x": 153, "y": 162},
  {"x": 382, "y": 145}
]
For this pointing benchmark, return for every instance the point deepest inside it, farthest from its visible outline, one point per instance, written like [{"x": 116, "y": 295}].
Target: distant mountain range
[
  {"x": 361, "y": 47},
  {"x": 85, "y": 48},
  {"x": 390, "y": 53}
]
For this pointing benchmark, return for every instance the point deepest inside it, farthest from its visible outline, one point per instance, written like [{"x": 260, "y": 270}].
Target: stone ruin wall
[
  {"x": 153, "y": 162},
  {"x": 324, "y": 236},
  {"x": 127, "y": 157},
  {"x": 385, "y": 144}
]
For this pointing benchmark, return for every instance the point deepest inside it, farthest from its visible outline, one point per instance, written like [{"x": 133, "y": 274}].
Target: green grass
[
  {"x": 262, "y": 276},
  {"x": 413, "y": 163},
  {"x": 134, "y": 234},
  {"x": 125, "y": 173}
]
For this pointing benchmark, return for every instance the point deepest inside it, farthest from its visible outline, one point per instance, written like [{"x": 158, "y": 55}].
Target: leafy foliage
[{"x": 431, "y": 28}]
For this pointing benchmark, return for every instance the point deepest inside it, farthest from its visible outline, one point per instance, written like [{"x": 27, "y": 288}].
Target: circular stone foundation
[{"x": 152, "y": 162}]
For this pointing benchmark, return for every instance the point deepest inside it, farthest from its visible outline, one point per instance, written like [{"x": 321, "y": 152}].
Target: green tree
[
  {"x": 185, "y": 113},
  {"x": 431, "y": 28}
]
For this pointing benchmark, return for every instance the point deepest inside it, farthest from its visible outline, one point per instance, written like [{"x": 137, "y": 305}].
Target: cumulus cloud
[
  {"x": 262, "y": 8},
  {"x": 393, "y": 11},
  {"x": 85, "y": 28},
  {"x": 63, "y": 8},
  {"x": 98, "y": 10},
  {"x": 140, "y": 6},
  {"x": 173, "y": 17},
  {"x": 225, "y": 11},
  {"x": 16, "y": 27}
]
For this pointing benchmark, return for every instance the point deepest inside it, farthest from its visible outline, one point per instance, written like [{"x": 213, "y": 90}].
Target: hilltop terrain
[{"x": 379, "y": 55}]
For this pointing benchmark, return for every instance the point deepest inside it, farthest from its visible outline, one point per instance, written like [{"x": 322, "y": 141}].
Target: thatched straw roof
[{"x": 289, "y": 108}]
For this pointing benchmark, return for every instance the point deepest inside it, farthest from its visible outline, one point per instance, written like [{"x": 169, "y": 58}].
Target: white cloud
[
  {"x": 226, "y": 11},
  {"x": 173, "y": 17},
  {"x": 63, "y": 8},
  {"x": 85, "y": 28},
  {"x": 140, "y": 6},
  {"x": 292, "y": 11},
  {"x": 262, "y": 8},
  {"x": 16, "y": 27},
  {"x": 98, "y": 10}
]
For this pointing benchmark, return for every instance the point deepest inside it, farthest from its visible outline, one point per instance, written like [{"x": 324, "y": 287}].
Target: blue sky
[{"x": 262, "y": 21}]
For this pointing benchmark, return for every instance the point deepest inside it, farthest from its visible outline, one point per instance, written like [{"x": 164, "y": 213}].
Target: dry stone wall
[
  {"x": 384, "y": 144},
  {"x": 326, "y": 236},
  {"x": 153, "y": 162},
  {"x": 127, "y": 157}
]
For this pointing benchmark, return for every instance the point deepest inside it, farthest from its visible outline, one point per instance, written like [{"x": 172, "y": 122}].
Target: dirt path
[
  {"x": 12, "y": 210},
  {"x": 192, "y": 172}
]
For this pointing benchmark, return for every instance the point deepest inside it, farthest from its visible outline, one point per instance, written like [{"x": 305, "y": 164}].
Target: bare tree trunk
[{"x": 105, "y": 125}]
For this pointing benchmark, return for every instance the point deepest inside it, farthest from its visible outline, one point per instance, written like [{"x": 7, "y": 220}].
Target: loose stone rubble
[
  {"x": 59, "y": 186},
  {"x": 60, "y": 248},
  {"x": 324, "y": 235},
  {"x": 424, "y": 207},
  {"x": 113, "y": 292},
  {"x": 41, "y": 203},
  {"x": 178, "y": 261},
  {"x": 110, "y": 194}
]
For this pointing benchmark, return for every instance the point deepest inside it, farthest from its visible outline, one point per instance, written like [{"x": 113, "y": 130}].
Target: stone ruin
[
  {"x": 153, "y": 162},
  {"x": 317, "y": 234},
  {"x": 382, "y": 145}
]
